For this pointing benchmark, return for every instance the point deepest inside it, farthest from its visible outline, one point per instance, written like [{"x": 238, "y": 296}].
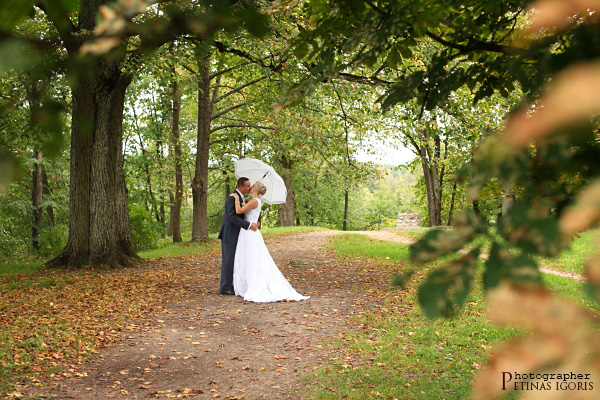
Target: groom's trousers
[{"x": 227, "y": 258}]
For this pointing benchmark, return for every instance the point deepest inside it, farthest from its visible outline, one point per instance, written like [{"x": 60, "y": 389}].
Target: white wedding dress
[{"x": 255, "y": 275}]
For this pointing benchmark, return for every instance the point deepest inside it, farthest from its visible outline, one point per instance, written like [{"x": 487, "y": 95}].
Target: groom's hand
[{"x": 253, "y": 226}]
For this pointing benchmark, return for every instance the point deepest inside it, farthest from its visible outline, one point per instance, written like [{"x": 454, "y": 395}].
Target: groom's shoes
[{"x": 228, "y": 292}]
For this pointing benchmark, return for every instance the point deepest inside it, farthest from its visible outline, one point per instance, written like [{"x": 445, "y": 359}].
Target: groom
[{"x": 230, "y": 229}]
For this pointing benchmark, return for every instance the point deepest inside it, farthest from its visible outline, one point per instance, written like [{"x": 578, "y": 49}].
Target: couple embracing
[{"x": 247, "y": 268}]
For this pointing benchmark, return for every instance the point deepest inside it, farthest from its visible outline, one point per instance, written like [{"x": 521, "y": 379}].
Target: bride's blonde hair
[{"x": 262, "y": 189}]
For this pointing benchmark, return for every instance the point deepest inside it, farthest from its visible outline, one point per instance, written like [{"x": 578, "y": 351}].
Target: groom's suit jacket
[{"x": 232, "y": 222}]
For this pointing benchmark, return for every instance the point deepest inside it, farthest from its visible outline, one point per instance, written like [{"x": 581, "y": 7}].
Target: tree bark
[
  {"x": 200, "y": 182},
  {"x": 452, "y": 199},
  {"x": 171, "y": 203},
  {"x": 36, "y": 197},
  {"x": 434, "y": 192},
  {"x": 286, "y": 211},
  {"x": 345, "y": 226},
  {"x": 32, "y": 87},
  {"x": 99, "y": 217},
  {"x": 175, "y": 137},
  {"x": 47, "y": 192},
  {"x": 161, "y": 185},
  {"x": 432, "y": 174}
]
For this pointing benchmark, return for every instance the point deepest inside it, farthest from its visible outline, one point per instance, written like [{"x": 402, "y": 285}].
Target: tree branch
[
  {"x": 229, "y": 69},
  {"x": 223, "y": 48},
  {"x": 218, "y": 128},
  {"x": 238, "y": 89},
  {"x": 225, "y": 111},
  {"x": 477, "y": 45}
]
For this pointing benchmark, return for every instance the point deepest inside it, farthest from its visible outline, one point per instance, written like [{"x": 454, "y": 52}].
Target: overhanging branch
[
  {"x": 223, "y": 48},
  {"x": 477, "y": 45},
  {"x": 218, "y": 128}
]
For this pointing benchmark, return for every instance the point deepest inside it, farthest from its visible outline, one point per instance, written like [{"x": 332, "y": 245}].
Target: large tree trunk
[
  {"x": 176, "y": 209},
  {"x": 200, "y": 182},
  {"x": 36, "y": 197},
  {"x": 432, "y": 175},
  {"x": 286, "y": 211},
  {"x": 99, "y": 218},
  {"x": 434, "y": 192}
]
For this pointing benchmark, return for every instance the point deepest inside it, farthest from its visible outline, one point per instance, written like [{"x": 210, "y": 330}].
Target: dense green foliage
[{"x": 330, "y": 124}]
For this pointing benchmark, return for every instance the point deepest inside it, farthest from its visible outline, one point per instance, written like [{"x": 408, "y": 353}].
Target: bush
[
  {"x": 145, "y": 232},
  {"x": 52, "y": 240},
  {"x": 11, "y": 247}
]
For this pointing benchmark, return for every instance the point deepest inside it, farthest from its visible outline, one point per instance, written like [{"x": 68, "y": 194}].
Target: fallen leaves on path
[
  {"x": 162, "y": 328},
  {"x": 52, "y": 321}
]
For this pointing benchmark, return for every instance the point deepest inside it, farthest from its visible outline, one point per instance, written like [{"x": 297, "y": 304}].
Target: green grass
[
  {"x": 357, "y": 245},
  {"x": 573, "y": 259},
  {"x": 399, "y": 354},
  {"x": 571, "y": 289},
  {"x": 414, "y": 234},
  {"x": 288, "y": 230},
  {"x": 183, "y": 249},
  {"x": 30, "y": 267}
]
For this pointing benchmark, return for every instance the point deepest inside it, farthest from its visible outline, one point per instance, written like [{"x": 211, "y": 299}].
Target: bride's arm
[{"x": 248, "y": 206}]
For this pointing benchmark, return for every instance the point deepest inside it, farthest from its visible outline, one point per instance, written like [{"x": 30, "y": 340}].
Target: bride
[{"x": 255, "y": 275}]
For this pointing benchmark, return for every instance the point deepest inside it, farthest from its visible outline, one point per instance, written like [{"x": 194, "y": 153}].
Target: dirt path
[{"x": 204, "y": 345}]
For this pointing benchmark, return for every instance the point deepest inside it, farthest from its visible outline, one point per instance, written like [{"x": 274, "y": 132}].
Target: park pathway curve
[{"x": 202, "y": 345}]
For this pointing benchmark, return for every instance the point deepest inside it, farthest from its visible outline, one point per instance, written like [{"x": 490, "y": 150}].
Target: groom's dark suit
[{"x": 229, "y": 232}]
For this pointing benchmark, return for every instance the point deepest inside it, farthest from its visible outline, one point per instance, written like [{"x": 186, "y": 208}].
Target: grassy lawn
[
  {"x": 573, "y": 259},
  {"x": 21, "y": 267},
  {"x": 400, "y": 354}
]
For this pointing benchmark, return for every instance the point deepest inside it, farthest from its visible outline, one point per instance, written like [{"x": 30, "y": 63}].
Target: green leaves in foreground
[
  {"x": 520, "y": 269},
  {"x": 440, "y": 242},
  {"x": 446, "y": 289},
  {"x": 528, "y": 227}
]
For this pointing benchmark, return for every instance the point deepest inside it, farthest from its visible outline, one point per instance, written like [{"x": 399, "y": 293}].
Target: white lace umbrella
[{"x": 256, "y": 170}]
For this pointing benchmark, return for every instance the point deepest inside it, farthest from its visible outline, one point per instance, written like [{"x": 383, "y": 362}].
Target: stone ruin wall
[{"x": 408, "y": 221}]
